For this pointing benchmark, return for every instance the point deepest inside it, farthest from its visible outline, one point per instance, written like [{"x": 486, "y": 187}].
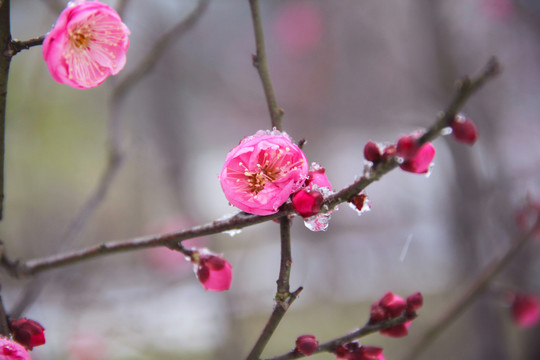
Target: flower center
[
  {"x": 270, "y": 167},
  {"x": 81, "y": 37}
]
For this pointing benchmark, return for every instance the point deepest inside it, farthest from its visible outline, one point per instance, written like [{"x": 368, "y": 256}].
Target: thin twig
[
  {"x": 18, "y": 45},
  {"x": 330, "y": 346},
  {"x": 155, "y": 53},
  {"x": 238, "y": 221},
  {"x": 260, "y": 63},
  {"x": 471, "y": 293},
  {"x": 283, "y": 296},
  {"x": 5, "y": 60}
]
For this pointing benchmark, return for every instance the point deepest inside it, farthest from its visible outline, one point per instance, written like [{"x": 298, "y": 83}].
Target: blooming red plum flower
[
  {"x": 307, "y": 344},
  {"x": 10, "y": 350},
  {"x": 213, "y": 271},
  {"x": 86, "y": 45},
  {"x": 525, "y": 310},
  {"x": 262, "y": 172},
  {"x": 28, "y": 333}
]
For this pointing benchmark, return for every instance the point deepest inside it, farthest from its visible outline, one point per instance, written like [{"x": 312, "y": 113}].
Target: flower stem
[
  {"x": 261, "y": 64},
  {"x": 283, "y": 296}
]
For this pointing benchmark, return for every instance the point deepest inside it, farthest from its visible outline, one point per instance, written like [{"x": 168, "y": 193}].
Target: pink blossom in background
[
  {"x": 27, "y": 332},
  {"x": 298, "y": 27},
  {"x": 262, "y": 172},
  {"x": 87, "y": 346},
  {"x": 167, "y": 261},
  {"x": 525, "y": 310},
  {"x": 86, "y": 45},
  {"x": 497, "y": 9},
  {"x": 10, "y": 350},
  {"x": 213, "y": 271}
]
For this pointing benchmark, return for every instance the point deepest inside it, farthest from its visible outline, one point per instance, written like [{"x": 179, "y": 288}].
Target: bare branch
[
  {"x": 148, "y": 63},
  {"x": 260, "y": 63},
  {"x": 238, "y": 221},
  {"x": 330, "y": 346}
]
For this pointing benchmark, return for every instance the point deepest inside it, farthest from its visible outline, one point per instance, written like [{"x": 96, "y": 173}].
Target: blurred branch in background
[
  {"x": 479, "y": 284},
  {"x": 115, "y": 155}
]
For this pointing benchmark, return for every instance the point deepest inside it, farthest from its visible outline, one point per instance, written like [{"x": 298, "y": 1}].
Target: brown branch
[
  {"x": 155, "y": 53},
  {"x": 18, "y": 45},
  {"x": 238, "y": 221},
  {"x": 260, "y": 63},
  {"x": 5, "y": 61},
  {"x": 479, "y": 284},
  {"x": 283, "y": 296},
  {"x": 330, "y": 346}
]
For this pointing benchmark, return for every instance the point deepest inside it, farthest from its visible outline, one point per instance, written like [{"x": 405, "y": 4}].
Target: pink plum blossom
[
  {"x": 213, "y": 271},
  {"x": 10, "y": 350},
  {"x": 262, "y": 172},
  {"x": 86, "y": 45},
  {"x": 416, "y": 159},
  {"x": 525, "y": 310}
]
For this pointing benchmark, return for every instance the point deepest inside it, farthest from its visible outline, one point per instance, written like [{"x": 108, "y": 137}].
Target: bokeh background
[{"x": 345, "y": 72}]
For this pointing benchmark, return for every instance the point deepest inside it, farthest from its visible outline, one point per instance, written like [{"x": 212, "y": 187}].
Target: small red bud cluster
[
  {"x": 355, "y": 351},
  {"x": 306, "y": 344},
  {"x": 28, "y": 333},
  {"x": 464, "y": 129},
  {"x": 416, "y": 159},
  {"x": 391, "y": 306}
]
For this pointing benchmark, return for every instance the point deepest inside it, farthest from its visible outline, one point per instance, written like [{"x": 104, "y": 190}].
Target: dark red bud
[
  {"x": 388, "y": 152},
  {"x": 407, "y": 147},
  {"x": 307, "y": 203},
  {"x": 307, "y": 344},
  {"x": 372, "y": 152},
  {"x": 396, "y": 331},
  {"x": 213, "y": 262},
  {"x": 28, "y": 333},
  {"x": 376, "y": 314},
  {"x": 358, "y": 201},
  {"x": 464, "y": 130},
  {"x": 415, "y": 302}
]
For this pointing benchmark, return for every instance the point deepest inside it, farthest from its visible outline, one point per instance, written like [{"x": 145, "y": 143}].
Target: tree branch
[
  {"x": 283, "y": 296},
  {"x": 5, "y": 61},
  {"x": 18, "y": 45},
  {"x": 155, "y": 53},
  {"x": 330, "y": 346},
  {"x": 238, "y": 221},
  {"x": 260, "y": 63}
]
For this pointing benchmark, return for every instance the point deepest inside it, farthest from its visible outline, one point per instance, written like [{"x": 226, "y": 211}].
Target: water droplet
[
  {"x": 430, "y": 170},
  {"x": 233, "y": 232},
  {"x": 446, "y": 131},
  {"x": 318, "y": 222}
]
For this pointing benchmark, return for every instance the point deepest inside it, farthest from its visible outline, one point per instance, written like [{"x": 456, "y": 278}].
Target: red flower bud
[
  {"x": 421, "y": 161},
  {"x": 400, "y": 330},
  {"x": 526, "y": 310},
  {"x": 355, "y": 351},
  {"x": 464, "y": 129},
  {"x": 214, "y": 272},
  {"x": 307, "y": 202},
  {"x": 28, "y": 333},
  {"x": 392, "y": 304},
  {"x": 307, "y": 344},
  {"x": 415, "y": 302},
  {"x": 372, "y": 152},
  {"x": 407, "y": 147}
]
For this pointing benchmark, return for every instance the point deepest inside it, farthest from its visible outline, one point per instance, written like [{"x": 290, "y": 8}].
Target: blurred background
[{"x": 345, "y": 72}]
